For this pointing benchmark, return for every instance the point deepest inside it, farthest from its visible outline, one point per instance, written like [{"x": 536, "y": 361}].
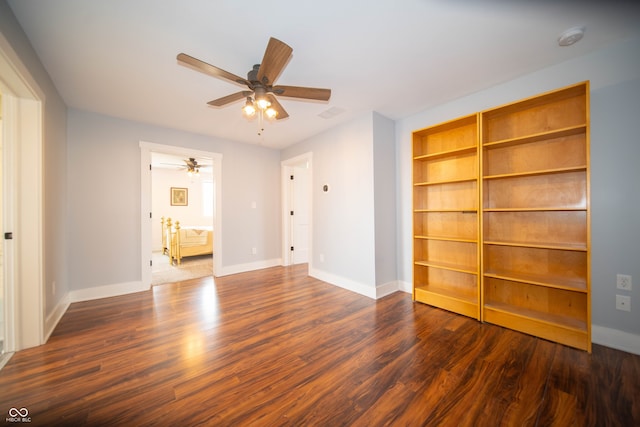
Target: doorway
[
  {"x": 150, "y": 222},
  {"x": 4, "y": 325},
  {"x": 21, "y": 190},
  {"x": 193, "y": 176},
  {"x": 296, "y": 210}
]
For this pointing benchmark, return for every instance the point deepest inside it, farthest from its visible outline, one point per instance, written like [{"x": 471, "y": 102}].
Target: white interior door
[
  {"x": 300, "y": 219},
  {"x": 297, "y": 218},
  {"x": 3, "y": 320},
  {"x": 22, "y": 204}
]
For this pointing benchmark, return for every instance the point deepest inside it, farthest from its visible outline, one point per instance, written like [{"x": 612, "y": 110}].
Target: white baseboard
[
  {"x": 4, "y": 358},
  {"x": 87, "y": 294},
  {"x": 614, "y": 338},
  {"x": 251, "y": 266},
  {"x": 360, "y": 288},
  {"x": 607, "y": 337},
  {"x": 405, "y": 286},
  {"x": 54, "y": 317},
  {"x": 387, "y": 289},
  {"x": 344, "y": 283},
  {"x": 107, "y": 291}
]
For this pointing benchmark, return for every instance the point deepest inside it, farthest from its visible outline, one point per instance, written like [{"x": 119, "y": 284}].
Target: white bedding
[{"x": 193, "y": 236}]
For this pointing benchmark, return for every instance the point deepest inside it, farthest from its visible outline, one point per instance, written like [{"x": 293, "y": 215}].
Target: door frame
[
  {"x": 23, "y": 185},
  {"x": 287, "y": 167},
  {"x": 146, "y": 222}
]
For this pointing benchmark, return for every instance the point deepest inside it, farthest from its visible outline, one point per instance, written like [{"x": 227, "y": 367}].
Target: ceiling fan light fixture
[
  {"x": 249, "y": 109},
  {"x": 262, "y": 104},
  {"x": 271, "y": 113}
]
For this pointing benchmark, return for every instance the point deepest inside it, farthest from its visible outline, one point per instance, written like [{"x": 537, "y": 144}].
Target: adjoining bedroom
[{"x": 182, "y": 202}]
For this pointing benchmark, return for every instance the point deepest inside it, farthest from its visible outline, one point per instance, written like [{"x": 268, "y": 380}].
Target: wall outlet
[
  {"x": 321, "y": 257},
  {"x": 623, "y": 302},
  {"x": 623, "y": 281},
  {"x": 254, "y": 251}
]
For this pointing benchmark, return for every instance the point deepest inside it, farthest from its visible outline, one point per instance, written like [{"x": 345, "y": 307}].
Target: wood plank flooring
[{"x": 275, "y": 347}]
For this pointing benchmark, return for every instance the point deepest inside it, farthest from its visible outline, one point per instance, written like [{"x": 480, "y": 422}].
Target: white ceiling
[{"x": 396, "y": 57}]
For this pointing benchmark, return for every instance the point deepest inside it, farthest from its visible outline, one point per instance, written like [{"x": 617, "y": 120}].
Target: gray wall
[
  {"x": 104, "y": 197},
  {"x": 342, "y": 219},
  {"x": 354, "y": 224},
  {"x": 54, "y": 159},
  {"x": 384, "y": 184},
  {"x": 614, "y": 73},
  {"x": 615, "y": 201}
]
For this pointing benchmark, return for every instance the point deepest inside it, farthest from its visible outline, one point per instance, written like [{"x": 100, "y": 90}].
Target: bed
[{"x": 184, "y": 241}]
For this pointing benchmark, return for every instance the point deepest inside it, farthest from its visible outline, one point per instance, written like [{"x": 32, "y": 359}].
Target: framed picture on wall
[{"x": 179, "y": 196}]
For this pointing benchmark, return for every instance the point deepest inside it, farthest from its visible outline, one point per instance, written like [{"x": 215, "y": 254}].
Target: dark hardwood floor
[{"x": 275, "y": 347}]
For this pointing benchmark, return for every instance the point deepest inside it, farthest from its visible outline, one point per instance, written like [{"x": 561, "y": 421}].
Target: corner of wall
[
  {"x": 55, "y": 316},
  {"x": 614, "y": 338},
  {"x": 392, "y": 287},
  {"x": 344, "y": 283}
]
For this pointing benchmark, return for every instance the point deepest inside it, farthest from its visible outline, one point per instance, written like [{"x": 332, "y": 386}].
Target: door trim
[
  {"x": 23, "y": 103},
  {"x": 287, "y": 167},
  {"x": 146, "y": 223}
]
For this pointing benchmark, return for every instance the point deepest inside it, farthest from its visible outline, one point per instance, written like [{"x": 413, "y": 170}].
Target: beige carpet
[{"x": 190, "y": 268}]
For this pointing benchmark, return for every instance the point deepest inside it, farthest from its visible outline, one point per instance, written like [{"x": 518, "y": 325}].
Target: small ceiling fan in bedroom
[
  {"x": 193, "y": 168},
  {"x": 190, "y": 165},
  {"x": 260, "y": 95}
]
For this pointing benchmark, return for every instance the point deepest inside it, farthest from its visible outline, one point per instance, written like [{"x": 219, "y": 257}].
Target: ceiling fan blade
[
  {"x": 220, "y": 102},
  {"x": 275, "y": 58},
  {"x": 209, "y": 69},
  {"x": 303, "y": 92},
  {"x": 282, "y": 113},
  {"x": 174, "y": 165}
]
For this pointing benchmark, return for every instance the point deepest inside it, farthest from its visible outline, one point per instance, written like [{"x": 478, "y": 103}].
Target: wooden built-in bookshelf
[
  {"x": 535, "y": 216},
  {"x": 502, "y": 216},
  {"x": 446, "y": 227}
]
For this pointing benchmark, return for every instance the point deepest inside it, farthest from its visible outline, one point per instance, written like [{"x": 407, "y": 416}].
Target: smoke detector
[{"x": 571, "y": 36}]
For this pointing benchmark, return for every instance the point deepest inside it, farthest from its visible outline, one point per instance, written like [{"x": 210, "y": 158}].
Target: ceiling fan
[
  {"x": 191, "y": 166},
  {"x": 260, "y": 81}
]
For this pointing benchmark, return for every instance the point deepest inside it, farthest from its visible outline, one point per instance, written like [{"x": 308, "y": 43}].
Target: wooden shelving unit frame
[
  {"x": 501, "y": 216},
  {"x": 446, "y": 240},
  {"x": 535, "y": 216}
]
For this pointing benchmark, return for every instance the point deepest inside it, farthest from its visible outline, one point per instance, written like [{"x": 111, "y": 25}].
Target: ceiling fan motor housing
[{"x": 252, "y": 75}]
